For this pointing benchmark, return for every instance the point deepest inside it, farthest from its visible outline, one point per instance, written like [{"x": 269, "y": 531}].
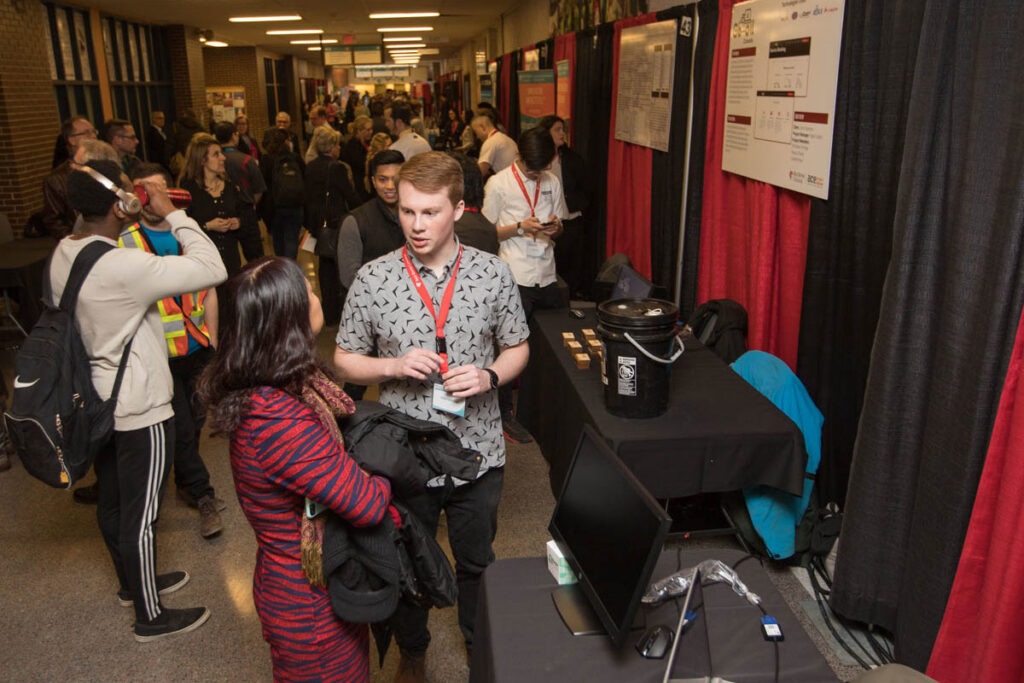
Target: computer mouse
[{"x": 655, "y": 642}]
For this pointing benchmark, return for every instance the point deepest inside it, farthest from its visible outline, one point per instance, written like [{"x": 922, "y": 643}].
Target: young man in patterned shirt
[{"x": 435, "y": 310}]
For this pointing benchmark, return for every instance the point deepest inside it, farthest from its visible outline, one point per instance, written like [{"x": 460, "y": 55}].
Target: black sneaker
[
  {"x": 170, "y": 622},
  {"x": 513, "y": 431},
  {"x": 87, "y": 495},
  {"x": 165, "y": 583}
]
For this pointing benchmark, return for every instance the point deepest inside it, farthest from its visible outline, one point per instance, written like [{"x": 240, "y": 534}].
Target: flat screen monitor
[
  {"x": 631, "y": 285},
  {"x": 611, "y": 531}
]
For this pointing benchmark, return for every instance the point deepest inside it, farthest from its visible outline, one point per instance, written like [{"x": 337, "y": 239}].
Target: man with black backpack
[{"x": 116, "y": 307}]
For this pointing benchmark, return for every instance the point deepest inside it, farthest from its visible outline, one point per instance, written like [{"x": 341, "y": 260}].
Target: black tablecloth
[
  {"x": 22, "y": 263},
  {"x": 719, "y": 433},
  {"x": 519, "y": 635}
]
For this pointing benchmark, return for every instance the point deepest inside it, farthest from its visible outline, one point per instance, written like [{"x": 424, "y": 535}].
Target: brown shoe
[
  {"x": 412, "y": 669},
  {"x": 209, "y": 519}
]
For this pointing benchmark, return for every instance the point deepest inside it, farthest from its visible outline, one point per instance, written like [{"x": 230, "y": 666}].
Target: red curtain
[
  {"x": 504, "y": 80},
  {"x": 565, "y": 48},
  {"x": 629, "y": 180},
  {"x": 753, "y": 240},
  {"x": 981, "y": 633}
]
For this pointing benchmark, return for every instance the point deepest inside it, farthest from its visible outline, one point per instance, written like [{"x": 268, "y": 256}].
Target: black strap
[{"x": 84, "y": 262}]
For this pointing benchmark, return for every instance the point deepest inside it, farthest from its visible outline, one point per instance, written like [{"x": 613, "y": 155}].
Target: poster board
[
  {"x": 487, "y": 88},
  {"x": 781, "y": 92},
  {"x": 643, "y": 106},
  {"x": 536, "y": 96},
  {"x": 563, "y": 93},
  {"x": 225, "y": 102}
]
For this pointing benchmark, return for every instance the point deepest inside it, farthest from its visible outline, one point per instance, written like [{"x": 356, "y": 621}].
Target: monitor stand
[{"x": 577, "y": 614}]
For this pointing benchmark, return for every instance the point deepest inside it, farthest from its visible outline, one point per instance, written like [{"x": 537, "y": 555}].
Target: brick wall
[
  {"x": 229, "y": 66},
  {"x": 187, "y": 71},
  {"x": 29, "y": 120}
]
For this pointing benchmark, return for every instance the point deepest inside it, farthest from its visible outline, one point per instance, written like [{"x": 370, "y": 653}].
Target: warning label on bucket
[{"x": 627, "y": 376}]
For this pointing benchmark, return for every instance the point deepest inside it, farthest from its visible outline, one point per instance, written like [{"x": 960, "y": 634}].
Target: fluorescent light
[
  {"x": 404, "y": 53},
  {"x": 401, "y": 45},
  {"x": 409, "y": 29},
  {"x": 215, "y": 43},
  {"x": 286, "y": 17},
  {"x": 202, "y": 39},
  {"x": 405, "y": 15},
  {"x": 315, "y": 48},
  {"x": 325, "y": 41},
  {"x": 401, "y": 39},
  {"x": 295, "y": 32}
]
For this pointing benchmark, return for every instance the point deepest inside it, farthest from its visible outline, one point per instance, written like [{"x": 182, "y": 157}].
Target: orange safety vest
[{"x": 184, "y": 316}]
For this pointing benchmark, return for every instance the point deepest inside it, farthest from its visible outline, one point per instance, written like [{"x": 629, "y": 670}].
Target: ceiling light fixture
[
  {"x": 295, "y": 32},
  {"x": 405, "y": 15},
  {"x": 325, "y": 41},
  {"x": 215, "y": 43},
  {"x": 407, "y": 29},
  {"x": 315, "y": 48},
  {"x": 286, "y": 17},
  {"x": 404, "y": 45},
  {"x": 400, "y": 39}
]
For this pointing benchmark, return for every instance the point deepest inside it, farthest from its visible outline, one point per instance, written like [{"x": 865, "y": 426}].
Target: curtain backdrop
[
  {"x": 565, "y": 48},
  {"x": 590, "y": 106},
  {"x": 950, "y": 306},
  {"x": 850, "y": 235},
  {"x": 512, "y": 122},
  {"x": 753, "y": 235},
  {"x": 981, "y": 632},
  {"x": 503, "y": 89},
  {"x": 705, "y": 27},
  {"x": 668, "y": 169},
  {"x": 629, "y": 173}
]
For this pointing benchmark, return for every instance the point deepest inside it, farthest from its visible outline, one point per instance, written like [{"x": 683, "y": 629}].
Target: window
[
  {"x": 277, "y": 88},
  {"x": 140, "y": 74},
  {"x": 73, "y": 64}
]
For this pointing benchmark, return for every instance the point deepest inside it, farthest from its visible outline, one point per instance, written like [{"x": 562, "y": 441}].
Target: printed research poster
[
  {"x": 781, "y": 93},
  {"x": 643, "y": 109}
]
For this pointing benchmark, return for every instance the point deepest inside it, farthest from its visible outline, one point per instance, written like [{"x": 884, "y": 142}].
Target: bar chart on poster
[
  {"x": 643, "y": 105},
  {"x": 781, "y": 92}
]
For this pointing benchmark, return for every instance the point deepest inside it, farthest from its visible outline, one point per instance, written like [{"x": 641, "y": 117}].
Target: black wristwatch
[{"x": 494, "y": 377}]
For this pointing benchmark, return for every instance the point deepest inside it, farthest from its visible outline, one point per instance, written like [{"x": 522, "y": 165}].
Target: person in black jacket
[
  {"x": 281, "y": 205},
  {"x": 473, "y": 229},
  {"x": 354, "y": 153},
  {"x": 571, "y": 169},
  {"x": 330, "y": 194}
]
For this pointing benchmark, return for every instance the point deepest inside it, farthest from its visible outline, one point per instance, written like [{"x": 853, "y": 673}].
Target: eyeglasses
[{"x": 87, "y": 131}]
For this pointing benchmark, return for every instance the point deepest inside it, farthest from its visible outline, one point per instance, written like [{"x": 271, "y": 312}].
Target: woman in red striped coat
[{"x": 269, "y": 392}]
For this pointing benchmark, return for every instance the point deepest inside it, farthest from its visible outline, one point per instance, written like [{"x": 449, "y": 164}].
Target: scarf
[{"x": 329, "y": 402}]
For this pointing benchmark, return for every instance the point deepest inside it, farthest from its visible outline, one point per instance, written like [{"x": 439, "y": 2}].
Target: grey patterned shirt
[{"x": 383, "y": 311}]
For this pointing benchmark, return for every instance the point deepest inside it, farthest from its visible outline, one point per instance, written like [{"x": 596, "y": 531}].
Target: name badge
[
  {"x": 535, "y": 248},
  {"x": 447, "y": 403}
]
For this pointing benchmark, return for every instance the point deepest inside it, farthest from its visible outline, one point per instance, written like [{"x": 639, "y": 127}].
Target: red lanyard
[
  {"x": 441, "y": 345},
  {"x": 526, "y": 195},
  {"x": 471, "y": 209}
]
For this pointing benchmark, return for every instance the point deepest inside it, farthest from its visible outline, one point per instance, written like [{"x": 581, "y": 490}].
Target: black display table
[
  {"x": 520, "y": 637},
  {"x": 719, "y": 433}
]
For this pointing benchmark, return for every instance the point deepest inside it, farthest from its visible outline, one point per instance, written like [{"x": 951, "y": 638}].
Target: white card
[
  {"x": 307, "y": 242},
  {"x": 445, "y": 402},
  {"x": 535, "y": 248}
]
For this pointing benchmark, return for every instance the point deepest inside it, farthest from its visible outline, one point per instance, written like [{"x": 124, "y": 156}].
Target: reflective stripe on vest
[{"x": 176, "y": 331}]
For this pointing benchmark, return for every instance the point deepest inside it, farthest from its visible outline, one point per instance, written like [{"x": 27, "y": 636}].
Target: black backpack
[
  {"x": 288, "y": 187},
  {"x": 57, "y": 422}
]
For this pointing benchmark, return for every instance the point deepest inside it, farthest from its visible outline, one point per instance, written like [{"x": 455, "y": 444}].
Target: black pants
[
  {"x": 570, "y": 256},
  {"x": 550, "y": 296},
  {"x": 227, "y": 245},
  {"x": 190, "y": 473},
  {"x": 330, "y": 290},
  {"x": 131, "y": 472},
  {"x": 472, "y": 514}
]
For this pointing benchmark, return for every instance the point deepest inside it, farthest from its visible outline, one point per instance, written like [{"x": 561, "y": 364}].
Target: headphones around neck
[{"x": 128, "y": 202}]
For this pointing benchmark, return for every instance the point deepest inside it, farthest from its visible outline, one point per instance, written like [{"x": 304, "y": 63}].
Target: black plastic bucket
[{"x": 640, "y": 346}]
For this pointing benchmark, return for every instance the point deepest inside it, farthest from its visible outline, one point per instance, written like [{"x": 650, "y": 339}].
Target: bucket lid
[{"x": 638, "y": 313}]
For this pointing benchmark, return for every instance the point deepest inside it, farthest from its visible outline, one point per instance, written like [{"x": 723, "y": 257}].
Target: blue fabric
[
  {"x": 774, "y": 513},
  {"x": 165, "y": 244}
]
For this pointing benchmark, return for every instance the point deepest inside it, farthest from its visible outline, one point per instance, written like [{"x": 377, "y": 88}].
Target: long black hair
[{"x": 264, "y": 339}]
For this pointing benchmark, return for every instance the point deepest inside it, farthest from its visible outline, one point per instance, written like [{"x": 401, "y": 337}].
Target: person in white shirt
[
  {"x": 409, "y": 142},
  {"x": 526, "y": 203},
  {"x": 498, "y": 150}
]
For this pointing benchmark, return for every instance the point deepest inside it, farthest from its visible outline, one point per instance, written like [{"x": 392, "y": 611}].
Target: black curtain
[
  {"x": 512, "y": 125},
  {"x": 546, "y": 54},
  {"x": 950, "y": 304},
  {"x": 849, "y": 238},
  {"x": 705, "y": 28},
  {"x": 591, "y": 110}
]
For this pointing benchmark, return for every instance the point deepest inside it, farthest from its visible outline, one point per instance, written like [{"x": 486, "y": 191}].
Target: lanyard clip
[{"x": 440, "y": 345}]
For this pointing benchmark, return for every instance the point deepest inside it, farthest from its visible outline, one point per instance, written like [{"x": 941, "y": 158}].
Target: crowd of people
[{"x": 433, "y": 248}]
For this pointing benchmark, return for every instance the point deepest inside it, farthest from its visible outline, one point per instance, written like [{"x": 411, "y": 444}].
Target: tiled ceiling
[{"x": 460, "y": 20}]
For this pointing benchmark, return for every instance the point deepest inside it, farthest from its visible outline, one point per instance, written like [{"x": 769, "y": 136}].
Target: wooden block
[
  {"x": 594, "y": 347},
  {"x": 574, "y": 347},
  {"x": 589, "y": 334},
  {"x": 582, "y": 361},
  {"x": 567, "y": 337}
]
